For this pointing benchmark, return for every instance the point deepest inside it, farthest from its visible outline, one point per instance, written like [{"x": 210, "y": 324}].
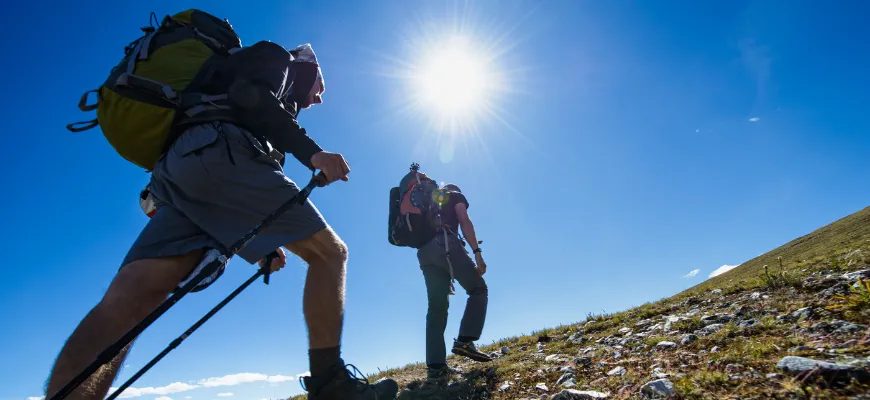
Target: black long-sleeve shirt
[{"x": 259, "y": 77}]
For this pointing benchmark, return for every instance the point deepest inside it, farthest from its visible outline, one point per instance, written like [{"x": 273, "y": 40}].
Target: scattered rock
[
  {"x": 755, "y": 296},
  {"x": 659, "y": 373},
  {"x": 774, "y": 376},
  {"x": 804, "y": 313},
  {"x": 583, "y": 361},
  {"x": 733, "y": 368},
  {"x": 570, "y": 383},
  {"x": 504, "y": 387},
  {"x": 794, "y": 365},
  {"x": 853, "y": 276},
  {"x": 688, "y": 339},
  {"x": 620, "y": 370},
  {"x": 564, "y": 378},
  {"x": 799, "y": 348},
  {"x": 624, "y": 330},
  {"x": 658, "y": 389},
  {"x": 716, "y": 291},
  {"x": 568, "y": 370},
  {"x": 505, "y": 350},
  {"x": 542, "y": 387},
  {"x": 715, "y": 349},
  {"x": 747, "y": 323},
  {"x": 847, "y": 327},
  {"x": 552, "y": 358},
  {"x": 664, "y": 345},
  {"x": 709, "y": 329},
  {"x": 524, "y": 348},
  {"x": 540, "y": 347},
  {"x": 573, "y": 394},
  {"x": 716, "y": 319}
]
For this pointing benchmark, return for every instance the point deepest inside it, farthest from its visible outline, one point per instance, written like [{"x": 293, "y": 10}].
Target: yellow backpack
[{"x": 160, "y": 81}]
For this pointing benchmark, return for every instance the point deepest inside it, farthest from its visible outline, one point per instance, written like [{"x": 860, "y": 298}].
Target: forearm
[{"x": 469, "y": 234}]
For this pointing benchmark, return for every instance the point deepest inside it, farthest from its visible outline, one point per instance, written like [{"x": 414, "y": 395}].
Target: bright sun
[{"x": 453, "y": 79}]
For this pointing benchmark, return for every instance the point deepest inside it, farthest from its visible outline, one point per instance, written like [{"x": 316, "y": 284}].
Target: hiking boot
[
  {"x": 346, "y": 382},
  {"x": 467, "y": 349},
  {"x": 439, "y": 376}
]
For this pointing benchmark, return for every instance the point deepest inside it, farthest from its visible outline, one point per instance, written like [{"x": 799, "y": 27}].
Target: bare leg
[
  {"x": 137, "y": 289},
  {"x": 323, "y": 302}
]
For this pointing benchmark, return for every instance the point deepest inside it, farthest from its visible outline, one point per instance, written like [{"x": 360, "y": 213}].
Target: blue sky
[{"x": 632, "y": 143}]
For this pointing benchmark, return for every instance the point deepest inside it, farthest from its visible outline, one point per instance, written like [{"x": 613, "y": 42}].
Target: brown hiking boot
[
  {"x": 348, "y": 383},
  {"x": 468, "y": 349}
]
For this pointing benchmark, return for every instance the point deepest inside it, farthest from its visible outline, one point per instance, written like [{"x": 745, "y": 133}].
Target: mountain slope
[{"x": 757, "y": 331}]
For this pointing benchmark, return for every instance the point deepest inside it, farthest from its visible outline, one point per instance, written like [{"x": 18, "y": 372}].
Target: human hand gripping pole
[{"x": 318, "y": 180}]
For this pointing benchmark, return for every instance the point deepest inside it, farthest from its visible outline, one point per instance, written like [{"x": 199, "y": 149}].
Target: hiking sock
[
  {"x": 465, "y": 339},
  {"x": 322, "y": 360}
]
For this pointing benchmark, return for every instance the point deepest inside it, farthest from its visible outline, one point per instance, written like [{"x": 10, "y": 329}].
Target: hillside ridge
[{"x": 791, "y": 323}]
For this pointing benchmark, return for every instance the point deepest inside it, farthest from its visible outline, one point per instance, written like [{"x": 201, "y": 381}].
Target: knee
[
  {"x": 482, "y": 290},
  {"x": 325, "y": 247}
]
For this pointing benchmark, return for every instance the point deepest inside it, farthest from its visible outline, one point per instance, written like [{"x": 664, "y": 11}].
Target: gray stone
[
  {"x": 715, "y": 349},
  {"x": 620, "y": 370},
  {"x": 664, "y": 345},
  {"x": 505, "y": 350},
  {"x": 716, "y": 291},
  {"x": 542, "y": 387},
  {"x": 570, "y": 383},
  {"x": 574, "y": 394},
  {"x": 804, "y": 313},
  {"x": 774, "y": 376},
  {"x": 799, "y": 348},
  {"x": 624, "y": 330},
  {"x": 709, "y": 329},
  {"x": 747, "y": 323},
  {"x": 659, "y": 373},
  {"x": 504, "y": 387},
  {"x": 658, "y": 389},
  {"x": 848, "y": 327},
  {"x": 794, "y": 365},
  {"x": 564, "y": 378},
  {"x": 568, "y": 370},
  {"x": 583, "y": 361},
  {"x": 733, "y": 368},
  {"x": 755, "y": 296},
  {"x": 853, "y": 276},
  {"x": 690, "y": 338}
]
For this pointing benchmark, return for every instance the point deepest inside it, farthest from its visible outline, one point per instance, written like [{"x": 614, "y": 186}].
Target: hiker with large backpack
[
  {"x": 212, "y": 121},
  {"x": 428, "y": 217}
]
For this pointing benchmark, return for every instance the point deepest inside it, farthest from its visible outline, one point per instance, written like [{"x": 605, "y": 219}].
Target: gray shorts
[{"x": 213, "y": 186}]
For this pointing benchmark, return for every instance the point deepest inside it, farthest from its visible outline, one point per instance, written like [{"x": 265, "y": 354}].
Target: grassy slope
[{"x": 695, "y": 371}]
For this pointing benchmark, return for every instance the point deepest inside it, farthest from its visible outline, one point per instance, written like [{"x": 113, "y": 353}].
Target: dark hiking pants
[{"x": 436, "y": 271}]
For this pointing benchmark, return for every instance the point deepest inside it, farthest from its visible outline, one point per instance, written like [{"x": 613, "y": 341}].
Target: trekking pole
[
  {"x": 264, "y": 271},
  {"x": 110, "y": 352}
]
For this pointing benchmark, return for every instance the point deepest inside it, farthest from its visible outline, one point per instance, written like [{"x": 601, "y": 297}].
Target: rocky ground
[
  {"x": 790, "y": 336},
  {"x": 789, "y": 324}
]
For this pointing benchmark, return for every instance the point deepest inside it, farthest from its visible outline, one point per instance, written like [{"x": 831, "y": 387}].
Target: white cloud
[
  {"x": 245, "y": 377},
  {"x": 697, "y": 131},
  {"x": 692, "y": 273},
  {"x": 36, "y": 398},
  {"x": 754, "y": 119},
  {"x": 163, "y": 390},
  {"x": 226, "y": 380},
  {"x": 225, "y": 394},
  {"x": 721, "y": 270},
  {"x": 164, "y": 398}
]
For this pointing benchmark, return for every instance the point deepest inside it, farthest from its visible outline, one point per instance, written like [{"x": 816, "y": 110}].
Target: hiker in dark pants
[
  {"x": 222, "y": 176},
  {"x": 442, "y": 258}
]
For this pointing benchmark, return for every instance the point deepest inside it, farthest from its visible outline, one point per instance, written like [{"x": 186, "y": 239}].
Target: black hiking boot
[
  {"x": 467, "y": 349},
  {"x": 438, "y": 376},
  {"x": 348, "y": 383}
]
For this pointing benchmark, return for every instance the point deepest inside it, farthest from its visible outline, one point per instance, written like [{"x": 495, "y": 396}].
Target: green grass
[{"x": 779, "y": 274}]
